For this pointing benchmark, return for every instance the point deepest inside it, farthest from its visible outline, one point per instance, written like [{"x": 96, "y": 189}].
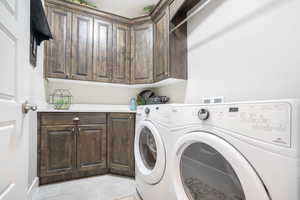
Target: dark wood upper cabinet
[
  {"x": 102, "y": 53},
  {"x": 121, "y": 53},
  {"x": 91, "y": 148},
  {"x": 161, "y": 46},
  {"x": 58, "y": 150},
  {"x": 121, "y": 143},
  {"x": 58, "y": 50},
  {"x": 97, "y": 46},
  {"x": 82, "y": 47},
  {"x": 142, "y": 53}
]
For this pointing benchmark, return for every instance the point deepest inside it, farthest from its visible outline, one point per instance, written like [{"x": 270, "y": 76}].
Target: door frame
[
  {"x": 156, "y": 174},
  {"x": 251, "y": 182}
]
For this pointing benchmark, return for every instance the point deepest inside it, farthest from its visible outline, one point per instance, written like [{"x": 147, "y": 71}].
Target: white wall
[
  {"x": 243, "y": 50},
  {"x": 176, "y": 92},
  {"x": 94, "y": 93}
]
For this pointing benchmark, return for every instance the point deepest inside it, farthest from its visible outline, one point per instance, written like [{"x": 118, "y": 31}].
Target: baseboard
[{"x": 33, "y": 188}]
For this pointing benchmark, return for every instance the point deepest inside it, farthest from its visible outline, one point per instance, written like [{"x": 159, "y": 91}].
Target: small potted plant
[
  {"x": 148, "y": 9},
  {"x": 84, "y": 2},
  {"x": 76, "y": 1}
]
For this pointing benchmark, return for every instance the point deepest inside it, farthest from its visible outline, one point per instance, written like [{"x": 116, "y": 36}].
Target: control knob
[
  {"x": 203, "y": 114},
  {"x": 147, "y": 110}
]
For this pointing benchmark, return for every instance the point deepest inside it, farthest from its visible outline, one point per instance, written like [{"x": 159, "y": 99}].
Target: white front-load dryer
[
  {"x": 152, "y": 177},
  {"x": 236, "y": 151}
]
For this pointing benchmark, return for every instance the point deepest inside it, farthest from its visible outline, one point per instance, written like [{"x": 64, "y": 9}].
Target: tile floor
[{"x": 107, "y": 187}]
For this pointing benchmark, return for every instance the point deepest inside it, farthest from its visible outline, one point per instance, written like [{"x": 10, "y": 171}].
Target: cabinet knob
[{"x": 76, "y": 119}]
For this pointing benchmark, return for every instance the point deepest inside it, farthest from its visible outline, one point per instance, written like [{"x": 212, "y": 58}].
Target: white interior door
[{"x": 13, "y": 83}]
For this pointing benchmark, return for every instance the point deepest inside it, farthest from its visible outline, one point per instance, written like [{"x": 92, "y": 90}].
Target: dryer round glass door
[
  {"x": 207, "y": 167},
  {"x": 149, "y": 153}
]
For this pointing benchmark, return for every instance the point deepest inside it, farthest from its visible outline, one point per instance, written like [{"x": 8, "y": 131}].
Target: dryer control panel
[{"x": 268, "y": 122}]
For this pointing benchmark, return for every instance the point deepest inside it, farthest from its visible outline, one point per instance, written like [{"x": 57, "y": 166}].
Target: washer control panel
[
  {"x": 158, "y": 113},
  {"x": 268, "y": 122}
]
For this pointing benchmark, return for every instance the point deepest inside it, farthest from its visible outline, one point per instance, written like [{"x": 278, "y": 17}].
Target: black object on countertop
[
  {"x": 148, "y": 97},
  {"x": 158, "y": 100}
]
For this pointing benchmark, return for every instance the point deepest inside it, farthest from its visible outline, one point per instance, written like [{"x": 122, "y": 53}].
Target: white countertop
[{"x": 89, "y": 108}]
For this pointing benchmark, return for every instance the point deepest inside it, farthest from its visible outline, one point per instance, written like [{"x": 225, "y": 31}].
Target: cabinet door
[
  {"x": 121, "y": 143},
  {"x": 102, "y": 53},
  {"x": 161, "y": 50},
  {"x": 91, "y": 148},
  {"x": 58, "y": 51},
  {"x": 121, "y": 54},
  {"x": 142, "y": 54},
  {"x": 58, "y": 150},
  {"x": 82, "y": 44}
]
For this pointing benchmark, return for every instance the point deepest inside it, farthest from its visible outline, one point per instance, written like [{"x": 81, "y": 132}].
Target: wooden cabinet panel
[
  {"x": 91, "y": 118},
  {"x": 121, "y": 143},
  {"x": 82, "y": 47},
  {"x": 102, "y": 53},
  {"x": 58, "y": 150},
  {"x": 57, "y": 119},
  {"x": 142, "y": 53},
  {"x": 161, "y": 50},
  {"x": 58, "y": 50},
  {"x": 121, "y": 53},
  {"x": 178, "y": 53},
  {"x": 91, "y": 148},
  {"x": 175, "y": 6}
]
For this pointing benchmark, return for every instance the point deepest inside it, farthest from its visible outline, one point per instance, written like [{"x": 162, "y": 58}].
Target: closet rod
[{"x": 191, "y": 15}]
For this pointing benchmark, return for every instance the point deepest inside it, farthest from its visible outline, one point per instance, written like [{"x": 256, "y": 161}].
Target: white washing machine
[
  {"x": 152, "y": 129},
  {"x": 236, "y": 151}
]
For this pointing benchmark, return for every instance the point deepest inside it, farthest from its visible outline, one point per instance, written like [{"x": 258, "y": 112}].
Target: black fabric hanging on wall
[{"x": 39, "y": 23}]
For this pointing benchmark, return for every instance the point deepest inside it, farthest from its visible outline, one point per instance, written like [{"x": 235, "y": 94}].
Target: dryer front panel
[
  {"x": 206, "y": 174},
  {"x": 208, "y": 167}
]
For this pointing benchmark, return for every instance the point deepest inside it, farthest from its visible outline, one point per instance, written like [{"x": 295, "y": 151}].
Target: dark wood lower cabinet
[
  {"x": 58, "y": 148},
  {"x": 92, "y": 148},
  {"x": 121, "y": 143},
  {"x": 84, "y": 146}
]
